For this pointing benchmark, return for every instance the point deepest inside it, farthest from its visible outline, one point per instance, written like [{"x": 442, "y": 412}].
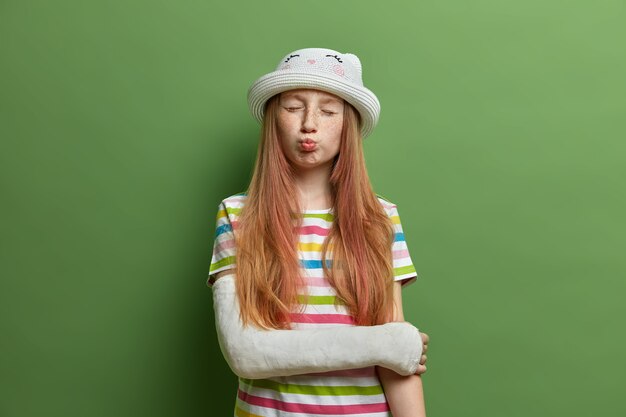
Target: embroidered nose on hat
[{"x": 323, "y": 69}]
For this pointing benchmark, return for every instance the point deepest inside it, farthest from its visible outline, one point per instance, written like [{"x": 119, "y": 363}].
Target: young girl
[{"x": 316, "y": 250}]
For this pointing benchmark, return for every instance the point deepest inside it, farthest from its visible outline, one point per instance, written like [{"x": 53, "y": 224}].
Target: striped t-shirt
[{"x": 354, "y": 392}]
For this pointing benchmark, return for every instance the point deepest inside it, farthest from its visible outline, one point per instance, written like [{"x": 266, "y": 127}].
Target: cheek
[
  {"x": 284, "y": 123},
  {"x": 281, "y": 129},
  {"x": 336, "y": 126},
  {"x": 280, "y": 122},
  {"x": 334, "y": 130}
]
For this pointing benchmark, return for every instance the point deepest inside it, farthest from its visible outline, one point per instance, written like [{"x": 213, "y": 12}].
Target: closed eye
[
  {"x": 336, "y": 57},
  {"x": 326, "y": 112},
  {"x": 291, "y": 56}
]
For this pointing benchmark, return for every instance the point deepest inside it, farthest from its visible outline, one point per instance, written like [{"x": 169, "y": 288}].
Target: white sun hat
[{"x": 322, "y": 69}]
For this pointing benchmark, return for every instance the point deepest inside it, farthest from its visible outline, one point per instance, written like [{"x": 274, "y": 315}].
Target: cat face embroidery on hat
[
  {"x": 318, "y": 68},
  {"x": 327, "y": 61}
]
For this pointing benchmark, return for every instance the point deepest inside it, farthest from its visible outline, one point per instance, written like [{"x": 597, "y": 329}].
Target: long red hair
[{"x": 268, "y": 269}]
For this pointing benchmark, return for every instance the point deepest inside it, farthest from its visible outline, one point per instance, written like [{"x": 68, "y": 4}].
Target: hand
[{"x": 422, "y": 366}]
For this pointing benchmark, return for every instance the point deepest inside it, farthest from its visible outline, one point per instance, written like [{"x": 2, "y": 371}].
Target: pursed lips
[{"x": 308, "y": 144}]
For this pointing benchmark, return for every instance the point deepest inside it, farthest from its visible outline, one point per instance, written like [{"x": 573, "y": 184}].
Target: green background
[{"x": 501, "y": 139}]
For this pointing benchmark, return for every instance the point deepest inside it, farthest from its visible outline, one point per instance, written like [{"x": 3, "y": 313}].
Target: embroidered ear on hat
[
  {"x": 323, "y": 69},
  {"x": 355, "y": 61}
]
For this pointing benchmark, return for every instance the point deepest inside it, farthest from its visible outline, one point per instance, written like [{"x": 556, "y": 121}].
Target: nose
[{"x": 309, "y": 121}]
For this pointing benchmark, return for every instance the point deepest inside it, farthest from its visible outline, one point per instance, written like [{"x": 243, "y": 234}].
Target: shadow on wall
[{"x": 232, "y": 160}]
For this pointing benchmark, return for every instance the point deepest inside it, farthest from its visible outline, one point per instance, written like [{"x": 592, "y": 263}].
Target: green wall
[{"x": 124, "y": 123}]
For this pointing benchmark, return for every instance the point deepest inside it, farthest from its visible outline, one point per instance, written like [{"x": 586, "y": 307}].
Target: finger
[
  {"x": 423, "y": 360},
  {"x": 424, "y": 349},
  {"x": 420, "y": 369},
  {"x": 425, "y": 338}
]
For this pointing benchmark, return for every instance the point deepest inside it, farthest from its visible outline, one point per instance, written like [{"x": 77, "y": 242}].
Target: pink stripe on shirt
[
  {"x": 312, "y": 408},
  {"x": 313, "y": 230},
  {"x": 317, "y": 282},
  {"x": 322, "y": 318},
  {"x": 400, "y": 253},
  {"x": 222, "y": 245}
]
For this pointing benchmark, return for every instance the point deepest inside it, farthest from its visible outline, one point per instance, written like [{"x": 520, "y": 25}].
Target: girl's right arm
[
  {"x": 405, "y": 394},
  {"x": 255, "y": 353}
]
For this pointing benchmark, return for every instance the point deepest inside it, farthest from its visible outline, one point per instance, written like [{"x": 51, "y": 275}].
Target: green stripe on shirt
[
  {"x": 318, "y": 299},
  {"x": 222, "y": 262},
  {"x": 324, "y": 216},
  {"x": 402, "y": 270},
  {"x": 313, "y": 389}
]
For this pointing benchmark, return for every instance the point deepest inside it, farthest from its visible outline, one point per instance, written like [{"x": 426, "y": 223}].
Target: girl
[{"x": 316, "y": 251}]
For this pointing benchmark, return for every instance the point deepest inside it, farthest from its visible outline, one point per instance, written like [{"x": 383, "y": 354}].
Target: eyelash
[
  {"x": 291, "y": 109},
  {"x": 336, "y": 57}
]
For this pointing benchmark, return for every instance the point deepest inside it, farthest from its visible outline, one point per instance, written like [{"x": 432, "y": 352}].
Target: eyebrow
[{"x": 323, "y": 100}]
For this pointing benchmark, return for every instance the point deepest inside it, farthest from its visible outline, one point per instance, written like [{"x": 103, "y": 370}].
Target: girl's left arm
[{"x": 405, "y": 394}]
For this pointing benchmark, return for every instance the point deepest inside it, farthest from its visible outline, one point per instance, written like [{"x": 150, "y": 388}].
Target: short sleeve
[
  {"x": 403, "y": 268},
  {"x": 224, "y": 249}
]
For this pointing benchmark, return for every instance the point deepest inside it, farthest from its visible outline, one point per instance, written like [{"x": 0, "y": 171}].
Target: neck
[{"x": 314, "y": 188}]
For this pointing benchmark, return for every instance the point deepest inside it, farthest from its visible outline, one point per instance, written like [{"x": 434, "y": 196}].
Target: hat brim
[{"x": 365, "y": 101}]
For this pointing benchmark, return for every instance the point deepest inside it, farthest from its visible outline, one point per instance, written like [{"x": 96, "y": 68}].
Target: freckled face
[{"x": 309, "y": 127}]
